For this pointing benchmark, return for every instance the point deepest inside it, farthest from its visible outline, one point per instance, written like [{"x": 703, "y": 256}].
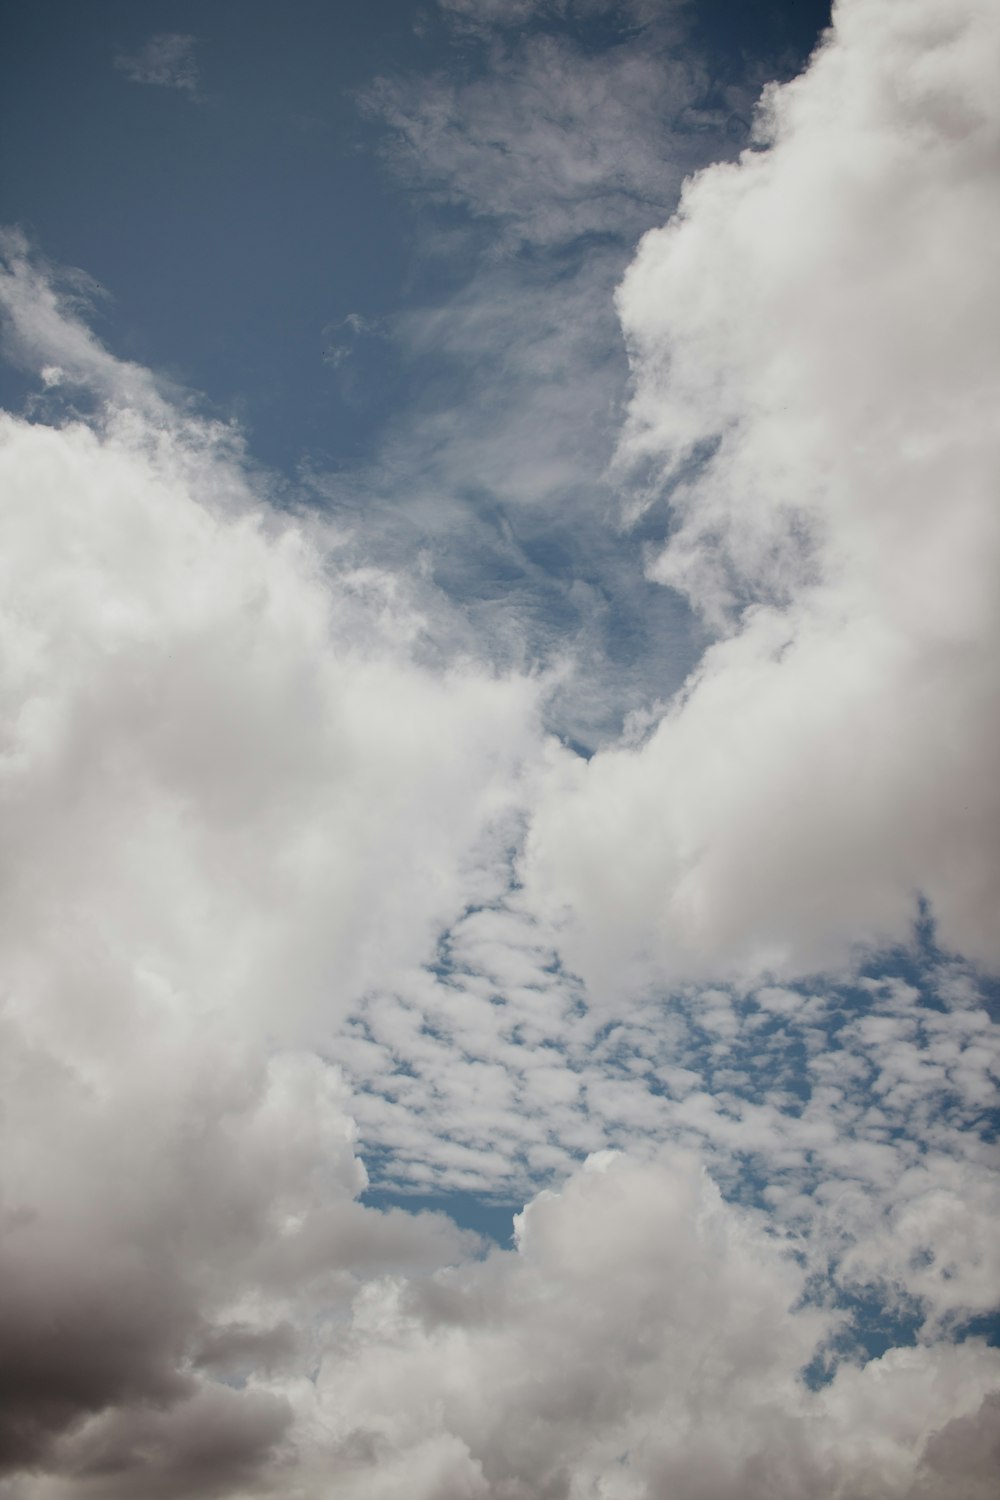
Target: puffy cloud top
[
  {"x": 813, "y": 339},
  {"x": 243, "y": 803}
]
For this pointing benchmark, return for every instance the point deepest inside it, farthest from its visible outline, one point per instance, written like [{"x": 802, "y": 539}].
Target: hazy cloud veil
[{"x": 296, "y": 874}]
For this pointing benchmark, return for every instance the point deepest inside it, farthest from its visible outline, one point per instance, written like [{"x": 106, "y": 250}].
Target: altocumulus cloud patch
[{"x": 303, "y": 896}]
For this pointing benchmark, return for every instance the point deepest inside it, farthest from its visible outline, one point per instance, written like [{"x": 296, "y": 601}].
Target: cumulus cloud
[
  {"x": 214, "y": 730},
  {"x": 259, "y": 834},
  {"x": 166, "y": 60},
  {"x": 812, "y": 339},
  {"x": 216, "y": 745},
  {"x": 186, "y": 666},
  {"x": 600, "y": 1353}
]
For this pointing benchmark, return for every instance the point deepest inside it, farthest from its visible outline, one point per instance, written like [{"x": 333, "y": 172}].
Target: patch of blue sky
[
  {"x": 493, "y": 1220},
  {"x": 872, "y": 1324},
  {"x": 230, "y": 228},
  {"x": 877, "y": 1318},
  {"x": 734, "y": 33}
]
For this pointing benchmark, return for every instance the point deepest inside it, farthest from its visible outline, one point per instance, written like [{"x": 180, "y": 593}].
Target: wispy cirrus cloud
[
  {"x": 829, "y": 499},
  {"x": 551, "y": 142},
  {"x": 533, "y": 169},
  {"x": 167, "y": 60}
]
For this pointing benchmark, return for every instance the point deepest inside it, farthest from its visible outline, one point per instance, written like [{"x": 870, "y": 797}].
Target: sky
[{"x": 500, "y": 962}]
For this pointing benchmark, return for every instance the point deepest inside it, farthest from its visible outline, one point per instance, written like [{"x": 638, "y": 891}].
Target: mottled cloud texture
[{"x": 290, "y": 879}]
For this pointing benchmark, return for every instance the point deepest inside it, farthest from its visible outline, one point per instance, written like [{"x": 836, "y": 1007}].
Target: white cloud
[
  {"x": 217, "y": 738},
  {"x": 643, "y": 1338},
  {"x": 824, "y": 313},
  {"x": 859, "y": 1114},
  {"x": 232, "y": 800},
  {"x": 552, "y": 142},
  {"x": 236, "y": 803},
  {"x": 166, "y": 60},
  {"x": 244, "y": 796}
]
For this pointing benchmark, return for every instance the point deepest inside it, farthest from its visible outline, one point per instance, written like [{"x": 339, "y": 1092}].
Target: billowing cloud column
[{"x": 814, "y": 344}]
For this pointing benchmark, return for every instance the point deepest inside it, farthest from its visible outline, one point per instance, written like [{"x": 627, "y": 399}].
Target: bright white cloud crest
[{"x": 259, "y": 833}]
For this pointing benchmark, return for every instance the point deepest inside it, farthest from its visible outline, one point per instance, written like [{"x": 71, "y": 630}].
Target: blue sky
[{"x": 500, "y": 630}]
